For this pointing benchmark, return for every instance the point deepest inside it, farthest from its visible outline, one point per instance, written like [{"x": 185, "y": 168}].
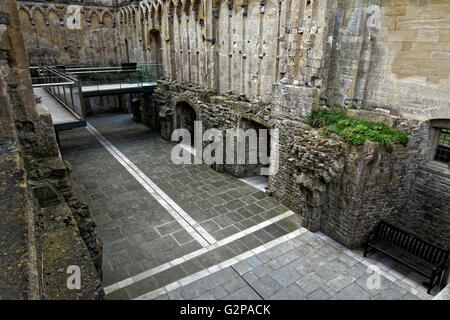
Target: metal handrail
[
  {"x": 119, "y": 78},
  {"x": 68, "y": 98}
]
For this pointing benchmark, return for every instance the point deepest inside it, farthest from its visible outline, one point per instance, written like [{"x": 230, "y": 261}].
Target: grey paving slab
[
  {"x": 234, "y": 285},
  {"x": 293, "y": 292},
  {"x": 266, "y": 286},
  {"x": 319, "y": 294},
  {"x": 352, "y": 292},
  {"x": 246, "y": 293},
  {"x": 219, "y": 292}
]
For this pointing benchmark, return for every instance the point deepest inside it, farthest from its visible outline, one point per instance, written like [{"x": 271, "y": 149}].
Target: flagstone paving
[{"x": 256, "y": 247}]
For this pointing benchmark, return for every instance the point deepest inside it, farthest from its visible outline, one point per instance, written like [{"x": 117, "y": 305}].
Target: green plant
[
  {"x": 355, "y": 131},
  {"x": 325, "y": 117}
]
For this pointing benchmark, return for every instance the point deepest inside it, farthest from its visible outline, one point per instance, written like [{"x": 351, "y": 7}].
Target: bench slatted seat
[{"x": 422, "y": 256}]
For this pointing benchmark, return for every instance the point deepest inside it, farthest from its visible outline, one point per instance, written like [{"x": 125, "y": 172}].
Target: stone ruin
[{"x": 270, "y": 62}]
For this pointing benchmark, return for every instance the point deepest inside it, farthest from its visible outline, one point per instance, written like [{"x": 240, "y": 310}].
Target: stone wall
[
  {"x": 427, "y": 211},
  {"x": 390, "y": 54},
  {"x": 340, "y": 189},
  {"x": 361, "y": 53},
  {"x": 55, "y": 34},
  {"x": 41, "y": 231}
]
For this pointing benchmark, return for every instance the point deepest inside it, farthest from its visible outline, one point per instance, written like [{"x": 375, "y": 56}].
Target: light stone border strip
[
  {"x": 391, "y": 275},
  {"x": 186, "y": 221},
  {"x": 197, "y": 253},
  {"x": 203, "y": 273}
]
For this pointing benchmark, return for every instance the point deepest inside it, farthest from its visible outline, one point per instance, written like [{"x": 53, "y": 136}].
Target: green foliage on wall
[{"x": 355, "y": 131}]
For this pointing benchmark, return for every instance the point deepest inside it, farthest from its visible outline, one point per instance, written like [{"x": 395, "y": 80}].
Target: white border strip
[
  {"x": 194, "y": 254},
  {"x": 203, "y": 273},
  {"x": 388, "y": 273},
  {"x": 186, "y": 221}
]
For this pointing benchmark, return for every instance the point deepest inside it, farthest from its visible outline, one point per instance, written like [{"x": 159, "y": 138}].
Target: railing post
[
  {"x": 71, "y": 98},
  {"x": 80, "y": 96}
]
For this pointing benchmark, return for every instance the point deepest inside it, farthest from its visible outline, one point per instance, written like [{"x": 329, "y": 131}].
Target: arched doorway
[
  {"x": 254, "y": 155},
  {"x": 185, "y": 117},
  {"x": 155, "y": 47}
]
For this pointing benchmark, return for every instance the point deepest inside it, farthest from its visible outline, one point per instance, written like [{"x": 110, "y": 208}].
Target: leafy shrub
[
  {"x": 324, "y": 117},
  {"x": 356, "y": 131}
]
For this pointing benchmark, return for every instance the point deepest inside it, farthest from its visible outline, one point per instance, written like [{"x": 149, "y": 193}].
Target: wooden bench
[{"x": 422, "y": 256}]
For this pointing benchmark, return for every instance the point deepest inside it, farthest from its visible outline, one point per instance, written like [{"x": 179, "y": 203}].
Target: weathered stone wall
[
  {"x": 427, "y": 211},
  {"x": 160, "y": 113},
  {"x": 340, "y": 189},
  {"x": 360, "y": 53},
  {"x": 55, "y": 35},
  {"x": 36, "y": 236},
  {"x": 390, "y": 54}
]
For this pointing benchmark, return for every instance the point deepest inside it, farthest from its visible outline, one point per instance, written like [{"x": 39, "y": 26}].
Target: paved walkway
[
  {"x": 58, "y": 112},
  {"x": 187, "y": 231}
]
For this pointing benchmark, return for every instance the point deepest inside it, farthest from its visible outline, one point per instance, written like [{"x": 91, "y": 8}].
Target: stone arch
[
  {"x": 103, "y": 14},
  {"x": 133, "y": 16},
  {"x": 178, "y": 9},
  {"x": 142, "y": 9},
  {"x": 155, "y": 46},
  {"x": 253, "y": 146},
  {"x": 52, "y": 8},
  {"x": 184, "y": 117},
  {"x": 26, "y": 9},
  {"x": 53, "y": 19},
  {"x": 187, "y": 7},
  {"x": 152, "y": 15},
  {"x": 121, "y": 16},
  {"x": 107, "y": 21},
  {"x": 171, "y": 10},
  {"x": 94, "y": 15},
  {"x": 127, "y": 16},
  {"x": 24, "y": 17},
  {"x": 37, "y": 7},
  {"x": 199, "y": 11},
  {"x": 159, "y": 13},
  {"x": 29, "y": 12}
]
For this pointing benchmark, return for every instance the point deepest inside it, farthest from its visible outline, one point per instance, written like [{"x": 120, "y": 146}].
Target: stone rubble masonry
[
  {"x": 41, "y": 225},
  {"x": 341, "y": 189},
  {"x": 427, "y": 211}
]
